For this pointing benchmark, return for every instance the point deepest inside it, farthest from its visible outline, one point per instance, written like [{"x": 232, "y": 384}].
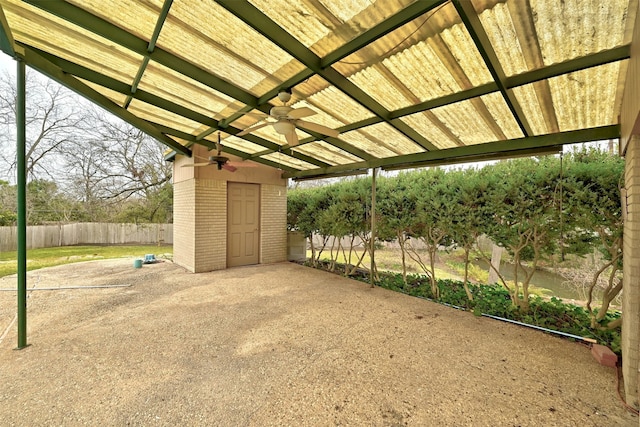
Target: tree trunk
[
  {"x": 466, "y": 274},
  {"x": 494, "y": 267},
  {"x": 401, "y": 241}
]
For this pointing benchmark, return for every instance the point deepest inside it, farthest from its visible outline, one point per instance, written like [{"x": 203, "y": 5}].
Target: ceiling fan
[
  {"x": 288, "y": 118},
  {"x": 221, "y": 161}
]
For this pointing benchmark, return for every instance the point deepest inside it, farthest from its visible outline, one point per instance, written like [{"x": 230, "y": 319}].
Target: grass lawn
[{"x": 49, "y": 257}]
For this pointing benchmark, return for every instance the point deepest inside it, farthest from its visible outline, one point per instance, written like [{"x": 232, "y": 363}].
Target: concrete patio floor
[{"x": 280, "y": 345}]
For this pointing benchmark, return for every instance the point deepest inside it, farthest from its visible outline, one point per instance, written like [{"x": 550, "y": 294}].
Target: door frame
[{"x": 259, "y": 221}]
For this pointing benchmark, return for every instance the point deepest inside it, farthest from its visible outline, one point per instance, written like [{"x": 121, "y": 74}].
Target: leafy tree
[
  {"x": 523, "y": 201},
  {"x": 91, "y": 156},
  {"x": 8, "y": 200},
  {"x": 155, "y": 208},
  {"x": 396, "y": 212},
  {"x": 355, "y": 215},
  {"x": 593, "y": 211},
  {"x": 45, "y": 203},
  {"x": 344, "y": 214},
  {"x": 431, "y": 222},
  {"x": 468, "y": 213}
]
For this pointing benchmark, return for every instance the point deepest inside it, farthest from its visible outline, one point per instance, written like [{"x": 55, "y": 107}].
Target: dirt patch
[{"x": 279, "y": 345}]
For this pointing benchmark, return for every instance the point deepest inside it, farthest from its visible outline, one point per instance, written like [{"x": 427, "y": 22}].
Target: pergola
[{"x": 405, "y": 83}]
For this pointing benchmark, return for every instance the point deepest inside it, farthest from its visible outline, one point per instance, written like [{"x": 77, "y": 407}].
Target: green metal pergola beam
[
  {"x": 271, "y": 147},
  {"x": 117, "y": 86},
  {"x": 291, "y": 153},
  {"x": 212, "y": 146},
  {"x": 152, "y": 45},
  {"x": 406, "y": 15},
  {"x": 253, "y": 17},
  {"x": 84, "y": 73},
  {"x": 111, "y": 32},
  {"x": 599, "y": 58},
  {"x": 536, "y": 151},
  {"x": 446, "y": 100},
  {"x": 481, "y": 39},
  {"x": 6, "y": 38},
  {"x": 52, "y": 71},
  {"x": 485, "y": 151},
  {"x": 593, "y": 60},
  {"x": 86, "y": 20}
]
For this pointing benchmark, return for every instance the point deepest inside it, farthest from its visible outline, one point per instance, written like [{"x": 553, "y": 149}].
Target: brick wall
[
  {"x": 210, "y": 225},
  {"x": 184, "y": 196},
  {"x": 200, "y": 232},
  {"x": 200, "y": 224},
  {"x": 273, "y": 223},
  {"x": 631, "y": 270}
]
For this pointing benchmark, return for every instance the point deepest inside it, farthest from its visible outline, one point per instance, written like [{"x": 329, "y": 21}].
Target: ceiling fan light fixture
[
  {"x": 284, "y": 95},
  {"x": 284, "y": 127}
]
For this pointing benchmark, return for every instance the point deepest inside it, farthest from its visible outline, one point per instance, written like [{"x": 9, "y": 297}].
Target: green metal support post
[
  {"x": 22, "y": 204},
  {"x": 372, "y": 248}
]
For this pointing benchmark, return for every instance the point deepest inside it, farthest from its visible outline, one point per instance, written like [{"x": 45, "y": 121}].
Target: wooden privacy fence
[{"x": 87, "y": 233}]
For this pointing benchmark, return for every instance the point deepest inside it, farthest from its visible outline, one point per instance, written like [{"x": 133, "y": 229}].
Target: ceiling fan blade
[
  {"x": 299, "y": 113},
  {"x": 242, "y": 164},
  {"x": 252, "y": 128},
  {"x": 228, "y": 167},
  {"x": 292, "y": 139},
  {"x": 196, "y": 165},
  {"x": 256, "y": 115},
  {"x": 317, "y": 128}
]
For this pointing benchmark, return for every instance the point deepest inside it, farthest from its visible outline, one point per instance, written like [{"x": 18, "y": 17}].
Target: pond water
[{"x": 541, "y": 279}]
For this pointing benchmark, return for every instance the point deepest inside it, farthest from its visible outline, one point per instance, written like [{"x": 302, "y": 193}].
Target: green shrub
[{"x": 494, "y": 300}]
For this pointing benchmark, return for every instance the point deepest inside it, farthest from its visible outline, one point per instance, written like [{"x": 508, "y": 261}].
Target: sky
[{"x": 6, "y": 62}]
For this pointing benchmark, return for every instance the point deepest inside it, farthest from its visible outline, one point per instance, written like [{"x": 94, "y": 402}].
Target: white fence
[{"x": 87, "y": 233}]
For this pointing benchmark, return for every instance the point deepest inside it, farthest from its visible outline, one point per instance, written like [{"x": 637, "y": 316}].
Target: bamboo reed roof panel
[
  {"x": 238, "y": 144},
  {"x": 286, "y": 160},
  {"x": 225, "y": 46},
  {"x": 175, "y": 87},
  {"x": 432, "y": 129},
  {"x": 326, "y": 25},
  {"x": 114, "y": 96},
  {"x": 327, "y": 153},
  {"x": 154, "y": 114},
  {"x": 532, "y": 105},
  {"x": 73, "y": 43},
  {"x": 582, "y": 99},
  {"x": 381, "y": 140},
  {"x": 136, "y": 16},
  {"x": 466, "y": 123}
]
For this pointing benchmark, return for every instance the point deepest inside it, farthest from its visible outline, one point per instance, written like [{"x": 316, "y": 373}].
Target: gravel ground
[{"x": 279, "y": 345}]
